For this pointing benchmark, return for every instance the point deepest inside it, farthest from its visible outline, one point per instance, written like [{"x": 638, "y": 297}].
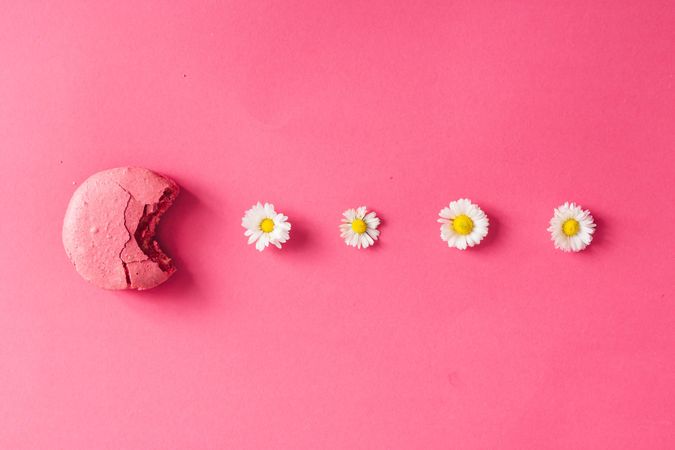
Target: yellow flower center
[
  {"x": 359, "y": 226},
  {"x": 462, "y": 224},
  {"x": 570, "y": 227},
  {"x": 267, "y": 225}
]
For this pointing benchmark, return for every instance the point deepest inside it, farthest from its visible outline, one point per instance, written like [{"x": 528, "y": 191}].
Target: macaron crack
[
  {"x": 142, "y": 246},
  {"x": 147, "y": 226},
  {"x": 124, "y": 264}
]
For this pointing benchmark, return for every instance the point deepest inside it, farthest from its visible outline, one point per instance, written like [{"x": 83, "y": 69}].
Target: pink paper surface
[{"x": 318, "y": 107}]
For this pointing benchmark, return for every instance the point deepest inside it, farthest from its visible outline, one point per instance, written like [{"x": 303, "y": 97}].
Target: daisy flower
[
  {"x": 463, "y": 224},
  {"x": 571, "y": 227},
  {"x": 264, "y": 226},
  {"x": 359, "y": 227}
]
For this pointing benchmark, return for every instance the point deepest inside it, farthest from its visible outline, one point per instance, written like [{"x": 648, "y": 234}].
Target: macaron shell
[
  {"x": 99, "y": 227},
  {"x": 145, "y": 274}
]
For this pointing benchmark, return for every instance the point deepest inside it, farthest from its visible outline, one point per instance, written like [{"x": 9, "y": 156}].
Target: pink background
[{"x": 318, "y": 107}]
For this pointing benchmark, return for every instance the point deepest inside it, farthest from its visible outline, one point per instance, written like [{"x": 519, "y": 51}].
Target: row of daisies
[{"x": 463, "y": 225}]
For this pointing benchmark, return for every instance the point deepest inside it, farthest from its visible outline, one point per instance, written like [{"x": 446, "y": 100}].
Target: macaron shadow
[{"x": 178, "y": 221}]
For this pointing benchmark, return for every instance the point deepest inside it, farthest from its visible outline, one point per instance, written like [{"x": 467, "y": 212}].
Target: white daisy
[
  {"x": 463, "y": 224},
  {"x": 571, "y": 227},
  {"x": 359, "y": 227},
  {"x": 264, "y": 226}
]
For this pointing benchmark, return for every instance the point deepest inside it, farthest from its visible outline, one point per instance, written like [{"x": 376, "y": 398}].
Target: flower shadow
[
  {"x": 495, "y": 231},
  {"x": 301, "y": 238},
  {"x": 602, "y": 233}
]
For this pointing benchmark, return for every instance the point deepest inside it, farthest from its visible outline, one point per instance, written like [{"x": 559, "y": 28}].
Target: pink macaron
[{"x": 109, "y": 228}]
